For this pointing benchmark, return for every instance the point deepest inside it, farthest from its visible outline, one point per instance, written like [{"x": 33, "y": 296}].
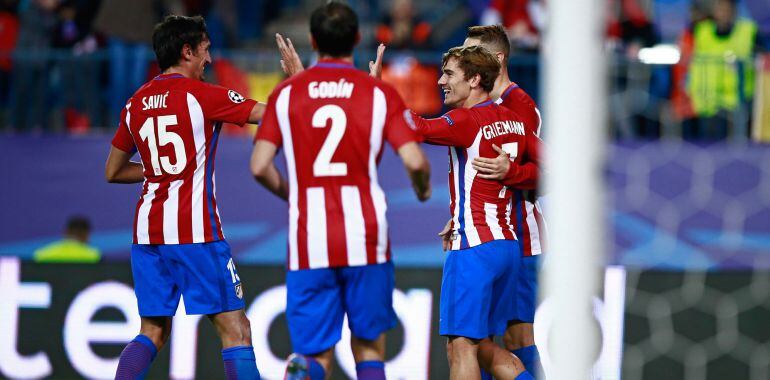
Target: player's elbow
[
  {"x": 259, "y": 168},
  {"x": 110, "y": 174},
  {"x": 414, "y": 158},
  {"x": 417, "y": 163}
]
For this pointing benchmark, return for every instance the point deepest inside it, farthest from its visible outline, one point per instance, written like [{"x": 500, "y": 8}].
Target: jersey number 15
[{"x": 164, "y": 137}]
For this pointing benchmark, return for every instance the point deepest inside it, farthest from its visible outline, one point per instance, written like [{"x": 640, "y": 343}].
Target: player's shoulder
[
  {"x": 459, "y": 116},
  {"x": 515, "y": 97},
  {"x": 510, "y": 113}
]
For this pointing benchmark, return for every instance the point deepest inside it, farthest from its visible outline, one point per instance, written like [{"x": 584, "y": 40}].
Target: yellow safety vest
[
  {"x": 713, "y": 75},
  {"x": 67, "y": 251}
]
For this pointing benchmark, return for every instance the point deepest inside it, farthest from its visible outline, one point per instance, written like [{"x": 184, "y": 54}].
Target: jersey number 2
[
  {"x": 147, "y": 133},
  {"x": 323, "y": 167}
]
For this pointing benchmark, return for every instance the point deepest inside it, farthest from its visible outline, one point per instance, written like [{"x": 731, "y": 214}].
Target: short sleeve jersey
[
  {"x": 174, "y": 123},
  {"x": 331, "y": 121}
]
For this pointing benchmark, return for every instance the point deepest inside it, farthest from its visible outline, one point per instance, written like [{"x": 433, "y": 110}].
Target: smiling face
[
  {"x": 456, "y": 88},
  {"x": 200, "y": 58}
]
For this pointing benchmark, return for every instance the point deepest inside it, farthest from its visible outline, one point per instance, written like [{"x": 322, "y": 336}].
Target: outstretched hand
[
  {"x": 375, "y": 67},
  {"x": 290, "y": 62},
  {"x": 493, "y": 168}
]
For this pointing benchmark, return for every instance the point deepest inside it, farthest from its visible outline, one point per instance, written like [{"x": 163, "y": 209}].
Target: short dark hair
[
  {"x": 493, "y": 37},
  {"x": 475, "y": 60},
  {"x": 172, "y": 34},
  {"x": 334, "y": 27},
  {"x": 78, "y": 224}
]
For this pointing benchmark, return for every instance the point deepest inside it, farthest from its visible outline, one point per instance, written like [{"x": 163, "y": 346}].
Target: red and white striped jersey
[
  {"x": 528, "y": 216},
  {"x": 331, "y": 121},
  {"x": 174, "y": 123},
  {"x": 481, "y": 208}
]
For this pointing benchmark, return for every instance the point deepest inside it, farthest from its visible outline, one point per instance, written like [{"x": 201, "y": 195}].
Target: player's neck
[
  {"x": 347, "y": 58},
  {"x": 178, "y": 70},
  {"x": 501, "y": 83},
  {"x": 477, "y": 96}
]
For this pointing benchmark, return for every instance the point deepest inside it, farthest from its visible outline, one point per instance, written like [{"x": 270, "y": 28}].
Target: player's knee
[
  {"x": 458, "y": 348},
  {"x": 518, "y": 335}
]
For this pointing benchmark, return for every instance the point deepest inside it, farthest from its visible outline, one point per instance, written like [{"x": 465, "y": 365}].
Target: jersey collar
[
  {"x": 484, "y": 103},
  {"x": 334, "y": 64},
  {"x": 168, "y": 76},
  {"x": 508, "y": 90}
]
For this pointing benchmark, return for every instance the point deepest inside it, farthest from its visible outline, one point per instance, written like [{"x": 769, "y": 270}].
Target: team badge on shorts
[
  {"x": 239, "y": 291},
  {"x": 235, "y": 97}
]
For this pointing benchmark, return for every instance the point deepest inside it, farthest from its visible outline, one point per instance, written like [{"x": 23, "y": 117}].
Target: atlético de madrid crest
[{"x": 235, "y": 97}]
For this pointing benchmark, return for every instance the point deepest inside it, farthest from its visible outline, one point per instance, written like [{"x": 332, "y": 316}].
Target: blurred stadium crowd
[{"x": 678, "y": 68}]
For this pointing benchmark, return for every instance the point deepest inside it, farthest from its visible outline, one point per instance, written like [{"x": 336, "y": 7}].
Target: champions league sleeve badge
[{"x": 235, "y": 97}]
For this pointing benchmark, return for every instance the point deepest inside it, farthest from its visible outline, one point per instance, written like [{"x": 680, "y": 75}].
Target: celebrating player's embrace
[
  {"x": 332, "y": 122},
  {"x": 489, "y": 285}
]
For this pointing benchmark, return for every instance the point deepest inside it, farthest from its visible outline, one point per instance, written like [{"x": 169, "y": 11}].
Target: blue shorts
[
  {"x": 526, "y": 290},
  {"x": 477, "y": 289},
  {"x": 318, "y": 299},
  {"x": 203, "y": 272}
]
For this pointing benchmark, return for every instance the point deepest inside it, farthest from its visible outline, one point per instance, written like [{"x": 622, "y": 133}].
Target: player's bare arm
[
  {"x": 120, "y": 169},
  {"x": 264, "y": 170},
  {"x": 521, "y": 176},
  {"x": 257, "y": 112},
  {"x": 418, "y": 167}
]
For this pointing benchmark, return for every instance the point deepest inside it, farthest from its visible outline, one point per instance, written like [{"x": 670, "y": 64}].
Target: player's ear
[
  {"x": 313, "y": 44},
  {"x": 187, "y": 52},
  {"x": 475, "y": 81},
  {"x": 500, "y": 58},
  {"x": 358, "y": 38}
]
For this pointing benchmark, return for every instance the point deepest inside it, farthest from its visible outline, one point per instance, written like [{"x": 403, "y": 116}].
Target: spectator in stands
[
  {"x": 9, "y": 28},
  {"x": 637, "y": 100},
  {"x": 78, "y": 78},
  {"x": 29, "y": 81},
  {"x": 73, "y": 248},
  {"x": 522, "y": 20},
  {"x": 633, "y": 30},
  {"x": 402, "y": 29},
  {"x": 680, "y": 100},
  {"x": 721, "y": 73},
  {"x": 128, "y": 27}
]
